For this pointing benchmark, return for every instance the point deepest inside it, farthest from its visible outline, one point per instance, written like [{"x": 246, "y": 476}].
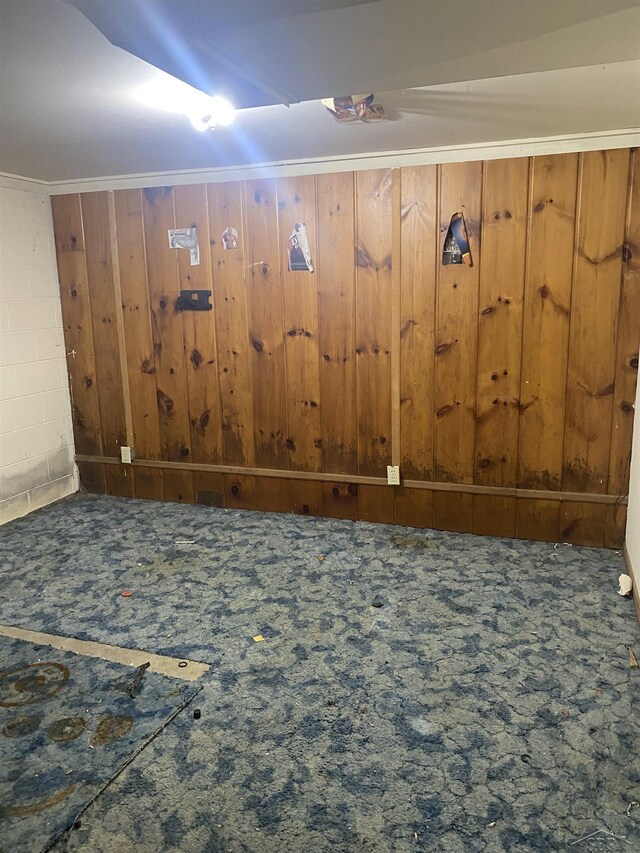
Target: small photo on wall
[{"x": 230, "y": 238}]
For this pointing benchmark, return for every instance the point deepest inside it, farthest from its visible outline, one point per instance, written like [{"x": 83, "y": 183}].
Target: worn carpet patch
[{"x": 68, "y": 723}]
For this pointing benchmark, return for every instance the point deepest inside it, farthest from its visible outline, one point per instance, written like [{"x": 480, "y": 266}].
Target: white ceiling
[{"x": 463, "y": 72}]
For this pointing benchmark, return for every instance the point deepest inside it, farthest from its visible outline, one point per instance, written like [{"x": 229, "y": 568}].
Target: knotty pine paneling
[{"x": 512, "y": 378}]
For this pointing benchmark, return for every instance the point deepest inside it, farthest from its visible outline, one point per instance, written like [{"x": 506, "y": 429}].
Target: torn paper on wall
[
  {"x": 353, "y": 108},
  {"x": 299, "y": 251},
  {"x": 456, "y": 243},
  {"x": 186, "y": 238},
  {"x": 230, "y": 238}
]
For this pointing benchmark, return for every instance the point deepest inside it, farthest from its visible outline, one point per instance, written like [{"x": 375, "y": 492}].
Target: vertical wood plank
[
  {"x": 414, "y": 507},
  {"x": 340, "y": 500},
  {"x": 615, "y": 525},
  {"x": 92, "y": 477},
  {"x": 224, "y": 203},
  {"x": 453, "y": 511},
  {"x": 178, "y": 486},
  {"x": 148, "y": 483},
  {"x": 376, "y": 503},
  {"x": 208, "y": 488},
  {"x": 373, "y": 320},
  {"x": 77, "y": 325},
  {"x": 162, "y": 273},
  {"x": 272, "y": 494},
  {"x": 336, "y": 306},
  {"x": 306, "y": 498},
  {"x": 239, "y": 491},
  {"x": 494, "y": 515},
  {"x": 419, "y": 236},
  {"x": 594, "y": 315},
  {"x": 582, "y": 523},
  {"x": 502, "y": 269},
  {"x": 537, "y": 519},
  {"x": 297, "y": 203},
  {"x": 67, "y": 223},
  {"x": 203, "y": 395},
  {"x": 97, "y": 241},
  {"x": 265, "y": 324},
  {"x": 119, "y": 480},
  {"x": 456, "y": 333},
  {"x": 627, "y": 349},
  {"x": 136, "y": 318},
  {"x": 547, "y": 308}
]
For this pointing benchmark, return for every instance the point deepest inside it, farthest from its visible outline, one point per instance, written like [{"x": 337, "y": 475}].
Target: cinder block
[
  {"x": 19, "y": 347},
  {"x": 56, "y": 404},
  {"x": 20, "y": 412},
  {"x": 49, "y": 343}
]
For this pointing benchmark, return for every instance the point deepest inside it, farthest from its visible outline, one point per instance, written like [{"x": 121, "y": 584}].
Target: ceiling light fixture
[{"x": 165, "y": 92}]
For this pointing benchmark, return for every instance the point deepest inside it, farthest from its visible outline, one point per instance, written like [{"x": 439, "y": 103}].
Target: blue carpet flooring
[{"x": 414, "y": 691}]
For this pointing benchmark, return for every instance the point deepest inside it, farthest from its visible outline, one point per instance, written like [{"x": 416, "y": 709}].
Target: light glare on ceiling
[{"x": 167, "y": 93}]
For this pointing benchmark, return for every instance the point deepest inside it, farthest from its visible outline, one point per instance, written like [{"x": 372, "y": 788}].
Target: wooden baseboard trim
[
  {"x": 635, "y": 592},
  {"x": 326, "y": 477}
]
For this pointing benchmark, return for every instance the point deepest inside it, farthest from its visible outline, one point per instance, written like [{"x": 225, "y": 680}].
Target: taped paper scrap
[
  {"x": 456, "y": 243},
  {"x": 230, "y": 238},
  {"x": 258, "y": 638},
  {"x": 626, "y": 585},
  {"x": 299, "y": 251},
  {"x": 350, "y": 108},
  {"x": 186, "y": 238}
]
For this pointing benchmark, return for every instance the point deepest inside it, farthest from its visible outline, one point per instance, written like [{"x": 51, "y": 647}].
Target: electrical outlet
[
  {"x": 393, "y": 475},
  {"x": 127, "y": 455}
]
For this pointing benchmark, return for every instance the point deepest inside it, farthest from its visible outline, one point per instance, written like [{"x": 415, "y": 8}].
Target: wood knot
[
  {"x": 257, "y": 345},
  {"x": 291, "y": 444},
  {"x": 442, "y": 348},
  {"x": 196, "y": 359},
  {"x": 443, "y": 410}
]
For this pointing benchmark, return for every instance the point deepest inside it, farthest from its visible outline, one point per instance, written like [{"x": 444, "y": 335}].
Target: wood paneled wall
[{"x": 504, "y": 390}]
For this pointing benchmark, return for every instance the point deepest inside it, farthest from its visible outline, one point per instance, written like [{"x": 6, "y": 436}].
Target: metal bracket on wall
[{"x": 194, "y": 300}]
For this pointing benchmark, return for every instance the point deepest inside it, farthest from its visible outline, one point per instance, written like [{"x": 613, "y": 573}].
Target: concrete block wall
[{"x": 36, "y": 438}]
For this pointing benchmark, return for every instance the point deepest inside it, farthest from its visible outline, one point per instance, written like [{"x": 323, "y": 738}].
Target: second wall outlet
[
  {"x": 393, "y": 475},
  {"x": 127, "y": 455}
]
